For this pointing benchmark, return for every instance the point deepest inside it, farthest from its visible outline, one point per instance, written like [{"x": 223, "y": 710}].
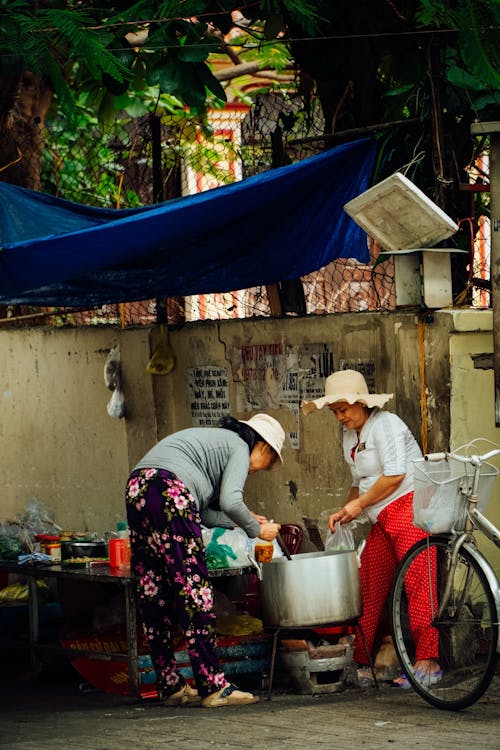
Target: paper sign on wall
[{"x": 208, "y": 395}]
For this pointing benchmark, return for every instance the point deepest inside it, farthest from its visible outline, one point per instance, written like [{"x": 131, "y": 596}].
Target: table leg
[
  {"x": 34, "y": 626},
  {"x": 131, "y": 626}
]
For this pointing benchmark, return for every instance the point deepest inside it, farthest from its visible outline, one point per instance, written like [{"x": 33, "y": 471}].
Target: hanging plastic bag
[
  {"x": 113, "y": 381},
  {"x": 116, "y": 404},
  {"x": 112, "y": 369},
  {"x": 341, "y": 539},
  {"x": 163, "y": 360}
]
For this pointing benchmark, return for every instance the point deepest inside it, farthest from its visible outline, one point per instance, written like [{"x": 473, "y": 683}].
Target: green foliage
[
  {"x": 67, "y": 172},
  {"x": 435, "y": 12},
  {"x": 78, "y": 45},
  {"x": 303, "y": 12},
  {"x": 477, "y": 23}
]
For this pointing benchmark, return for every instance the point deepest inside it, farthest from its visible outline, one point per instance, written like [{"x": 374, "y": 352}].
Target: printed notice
[
  {"x": 262, "y": 370},
  {"x": 208, "y": 395},
  {"x": 315, "y": 365}
]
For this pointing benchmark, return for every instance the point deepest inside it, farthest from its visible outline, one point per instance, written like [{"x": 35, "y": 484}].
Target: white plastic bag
[
  {"x": 112, "y": 369},
  {"x": 116, "y": 404},
  {"x": 231, "y": 548},
  {"x": 341, "y": 539}
]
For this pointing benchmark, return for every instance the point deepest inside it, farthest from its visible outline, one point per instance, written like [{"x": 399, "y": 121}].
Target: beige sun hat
[
  {"x": 346, "y": 385},
  {"x": 269, "y": 429}
]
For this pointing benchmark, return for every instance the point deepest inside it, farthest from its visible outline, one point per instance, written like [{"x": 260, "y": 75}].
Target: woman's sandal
[
  {"x": 424, "y": 676},
  {"x": 228, "y": 696},
  {"x": 185, "y": 696}
]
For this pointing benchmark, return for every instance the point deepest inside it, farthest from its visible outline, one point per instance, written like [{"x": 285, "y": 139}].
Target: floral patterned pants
[{"x": 169, "y": 565}]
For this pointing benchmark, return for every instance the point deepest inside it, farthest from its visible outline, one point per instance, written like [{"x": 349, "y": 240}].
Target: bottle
[
  {"x": 116, "y": 553},
  {"x": 123, "y": 533}
]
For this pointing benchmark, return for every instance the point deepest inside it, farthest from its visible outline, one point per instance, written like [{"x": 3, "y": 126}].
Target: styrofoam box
[{"x": 398, "y": 215}]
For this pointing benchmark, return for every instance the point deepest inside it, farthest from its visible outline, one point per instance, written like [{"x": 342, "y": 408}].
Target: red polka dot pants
[{"x": 388, "y": 541}]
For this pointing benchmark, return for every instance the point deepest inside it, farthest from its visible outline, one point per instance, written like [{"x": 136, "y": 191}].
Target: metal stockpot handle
[
  {"x": 359, "y": 551},
  {"x": 256, "y": 565}
]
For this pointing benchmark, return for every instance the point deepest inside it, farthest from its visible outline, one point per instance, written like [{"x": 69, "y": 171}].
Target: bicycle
[{"x": 451, "y": 493}]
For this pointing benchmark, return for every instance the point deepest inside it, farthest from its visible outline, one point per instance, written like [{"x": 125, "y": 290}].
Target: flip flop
[{"x": 423, "y": 676}]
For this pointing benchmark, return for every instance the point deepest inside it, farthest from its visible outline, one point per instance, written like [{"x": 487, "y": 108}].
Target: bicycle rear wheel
[{"x": 467, "y": 631}]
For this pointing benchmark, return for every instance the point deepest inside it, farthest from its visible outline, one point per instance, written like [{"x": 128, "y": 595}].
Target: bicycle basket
[{"x": 439, "y": 504}]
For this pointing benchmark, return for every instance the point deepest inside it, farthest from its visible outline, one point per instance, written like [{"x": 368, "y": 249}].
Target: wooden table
[{"x": 98, "y": 574}]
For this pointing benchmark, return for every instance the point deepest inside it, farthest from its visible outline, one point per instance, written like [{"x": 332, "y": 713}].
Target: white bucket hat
[
  {"x": 346, "y": 385},
  {"x": 269, "y": 429}
]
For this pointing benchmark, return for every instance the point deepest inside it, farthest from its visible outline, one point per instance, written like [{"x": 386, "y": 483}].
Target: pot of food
[
  {"x": 74, "y": 552},
  {"x": 314, "y": 588}
]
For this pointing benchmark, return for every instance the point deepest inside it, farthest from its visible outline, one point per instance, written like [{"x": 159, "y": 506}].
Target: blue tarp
[{"x": 276, "y": 226}]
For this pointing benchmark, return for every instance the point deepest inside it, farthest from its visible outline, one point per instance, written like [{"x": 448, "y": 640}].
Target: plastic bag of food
[
  {"x": 10, "y": 548},
  {"x": 16, "y": 592},
  {"x": 238, "y": 625},
  {"x": 219, "y": 555},
  {"x": 341, "y": 539}
]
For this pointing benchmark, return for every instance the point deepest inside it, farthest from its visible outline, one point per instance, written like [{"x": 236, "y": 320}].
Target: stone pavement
[{"x": 53, "y": 712}]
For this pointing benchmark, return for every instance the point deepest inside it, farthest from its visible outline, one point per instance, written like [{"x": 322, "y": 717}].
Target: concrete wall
[
  {"x": 472, "y": 400},
  {"x": 57, "y": 442},
  {"x": 59, "y": 445}
]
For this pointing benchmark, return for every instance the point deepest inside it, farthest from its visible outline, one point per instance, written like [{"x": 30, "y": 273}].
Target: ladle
[{"x": 283, "y": 546}]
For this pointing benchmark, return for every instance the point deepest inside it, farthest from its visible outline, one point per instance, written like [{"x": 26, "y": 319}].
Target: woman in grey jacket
[{"x": 192, "y": 477}]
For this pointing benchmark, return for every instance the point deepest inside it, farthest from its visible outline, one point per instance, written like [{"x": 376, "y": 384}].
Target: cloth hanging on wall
[{"x": 276, "y": 226}]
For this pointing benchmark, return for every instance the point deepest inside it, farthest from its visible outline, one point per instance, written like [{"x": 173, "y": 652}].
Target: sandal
[
  {"x": 424, "y": 676},
  {"x": 228, "y": 696},
  {"x": 186, "y": 695}
]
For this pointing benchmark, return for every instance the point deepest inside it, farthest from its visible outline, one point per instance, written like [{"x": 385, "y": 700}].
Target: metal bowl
[{"x": 78, "y": 550}]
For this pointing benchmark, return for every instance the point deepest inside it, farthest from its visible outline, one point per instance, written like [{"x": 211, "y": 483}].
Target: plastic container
[
  {"x": 117, "y": 553},
  {"x": 123, "y": 533},
  {"x": 263, "y": 551},
  {"x": 50, "y": 545},
  {"x": 439, "y": 505}
]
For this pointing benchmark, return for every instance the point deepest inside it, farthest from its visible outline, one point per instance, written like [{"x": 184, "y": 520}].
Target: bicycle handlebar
[{"x": 474, "y": 459}]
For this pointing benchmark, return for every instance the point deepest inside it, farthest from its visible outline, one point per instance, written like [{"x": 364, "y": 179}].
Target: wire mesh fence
[{"x": 144, "y": 160}]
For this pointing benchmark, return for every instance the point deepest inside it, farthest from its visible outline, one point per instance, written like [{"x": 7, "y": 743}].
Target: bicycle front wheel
[{"x": 464, "y": 635}]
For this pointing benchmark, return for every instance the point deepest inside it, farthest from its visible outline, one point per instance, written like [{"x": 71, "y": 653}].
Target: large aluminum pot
[{"x": 314, "y": 588}]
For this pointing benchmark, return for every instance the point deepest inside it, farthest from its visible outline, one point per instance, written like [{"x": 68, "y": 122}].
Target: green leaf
[
  {"x": 169, "y": 76},
  {"x": 211, "y": 82},
  {"x": 135, "y": 107},
  {"x": 457, "y": 76},
  {"x": 478, "y": 44},
  {"x": 193, "y": 53},
  {"x": 400, "y": 90},
  {"x": 107, "y": 109},
  {"x": 113, "y": 86}
]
